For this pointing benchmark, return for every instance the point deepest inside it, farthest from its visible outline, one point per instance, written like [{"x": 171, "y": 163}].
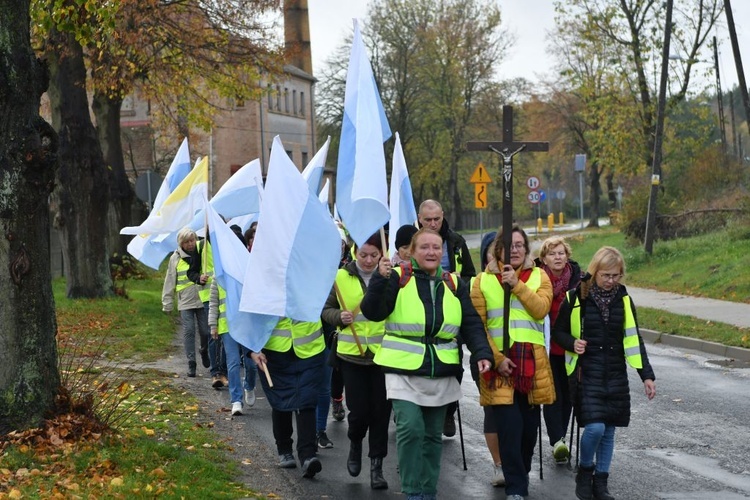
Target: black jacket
[
  {"x": 380, "y": 301},
  {"x": 457, "y": 247},
  {"x": 603, "y": 394}
]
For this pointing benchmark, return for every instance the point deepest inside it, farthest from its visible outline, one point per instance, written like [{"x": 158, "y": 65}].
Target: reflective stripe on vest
[
  {"x": 404, "y": 343},
  {"x": 369, "y": 333},
  {"x": 305, "y": 337},
  {"x": 523, "y": 326},
  {"x": 204, "y": 291},
  {"x": 221, "y": 324},
  {"x": 630, "y": 342},
  {"x": 182, "y": 280}
]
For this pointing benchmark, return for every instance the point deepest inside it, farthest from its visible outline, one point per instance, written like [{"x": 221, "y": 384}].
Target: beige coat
[{"x": 538, "y": 305}]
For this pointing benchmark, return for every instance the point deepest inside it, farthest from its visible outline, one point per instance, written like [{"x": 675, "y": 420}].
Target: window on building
[
  {"x": 302, "y": 103},
  {"x": 289, "y": 152},
  {"x": 294, "y": 101},
  {"x": 304, "y": 159},
  {"x": 278, "y": 97},
  {"x": 286, "y": 99}
]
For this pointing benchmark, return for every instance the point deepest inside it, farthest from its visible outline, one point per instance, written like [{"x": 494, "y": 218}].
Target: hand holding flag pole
[{"x": 260, "y": 360}]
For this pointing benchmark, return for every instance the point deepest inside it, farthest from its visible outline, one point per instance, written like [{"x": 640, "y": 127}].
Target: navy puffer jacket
[{"x": 603, "y": 394}]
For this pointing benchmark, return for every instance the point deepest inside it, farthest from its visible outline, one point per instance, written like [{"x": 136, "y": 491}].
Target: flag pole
[{"x": 382, "y": 242}]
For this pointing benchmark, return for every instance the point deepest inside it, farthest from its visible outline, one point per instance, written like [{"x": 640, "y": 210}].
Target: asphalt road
[{"x": 690, "y": 442}]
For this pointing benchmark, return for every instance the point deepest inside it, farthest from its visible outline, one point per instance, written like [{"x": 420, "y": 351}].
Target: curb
[{"x": 713, "y": 348}]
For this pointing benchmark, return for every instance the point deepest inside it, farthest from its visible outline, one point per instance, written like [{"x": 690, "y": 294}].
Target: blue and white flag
[
  {"x": 401, "y": 200},
  {"x": 145, "y": 248},
  {"x": 295, "y": 254},
  {"x": 361, "y": 186},
  {"x": 324, "y": 194},
  {"x": 313, "y": 172}
]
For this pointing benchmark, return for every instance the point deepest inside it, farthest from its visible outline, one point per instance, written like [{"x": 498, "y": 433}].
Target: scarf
[{"x": 603, "y": 298}]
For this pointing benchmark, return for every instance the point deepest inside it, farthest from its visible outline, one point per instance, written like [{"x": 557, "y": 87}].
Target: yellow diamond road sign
[{"x": 480, "y": 175}]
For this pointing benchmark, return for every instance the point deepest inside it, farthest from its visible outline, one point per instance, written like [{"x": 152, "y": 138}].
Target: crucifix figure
[{"x": 507, "y": 149}]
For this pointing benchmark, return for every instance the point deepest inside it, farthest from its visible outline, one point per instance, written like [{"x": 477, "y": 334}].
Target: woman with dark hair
[
  {"x": 425, "y": 310},
  {"x": 358, "y": 341},
  {"x": 597, "y": 326},
  {"x": 523, "y": 379}
]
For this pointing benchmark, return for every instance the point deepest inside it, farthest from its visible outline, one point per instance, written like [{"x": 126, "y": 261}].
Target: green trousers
[{"x": 419, "y": 439}]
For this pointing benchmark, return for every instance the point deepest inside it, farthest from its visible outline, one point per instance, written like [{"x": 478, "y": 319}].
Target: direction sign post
[{"x": 480, "y": 178}]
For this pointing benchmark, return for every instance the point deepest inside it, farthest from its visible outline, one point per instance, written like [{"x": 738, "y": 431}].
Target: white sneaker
[
  {"x": 250, "y": 398},
  {"x": 498, "y": 478},
  {"x": 236, "y": 408}
]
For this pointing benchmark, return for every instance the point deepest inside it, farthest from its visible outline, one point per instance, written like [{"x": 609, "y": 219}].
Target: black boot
[
  {"x": 191, "y": 368},
  {"x": 377, "y": 481},
  {"x": 354, "y": 462},
  {"x": 600, "y": 486},
  {"x": 583, "y": 483}
]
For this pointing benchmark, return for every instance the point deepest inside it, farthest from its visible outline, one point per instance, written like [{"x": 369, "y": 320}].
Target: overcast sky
[{"x": 529, "y": 20}]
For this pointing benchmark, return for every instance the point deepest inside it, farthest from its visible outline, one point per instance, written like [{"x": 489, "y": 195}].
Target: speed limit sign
[{"x": 534, "y": 197}]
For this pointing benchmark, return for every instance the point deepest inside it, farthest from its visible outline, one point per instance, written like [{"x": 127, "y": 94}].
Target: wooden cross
[{"x": 507, "y": 149}]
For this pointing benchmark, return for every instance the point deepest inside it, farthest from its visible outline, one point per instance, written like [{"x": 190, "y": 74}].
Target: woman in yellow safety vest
[
  {"x": 294, "y": 358},
  {"x": 598, "y": 329},
  {"x": 358, "y": 340},
  {"x": 523, "y": 380},
  {"x": 425, "y": 311},
  {"x": 189, "y": 302}
]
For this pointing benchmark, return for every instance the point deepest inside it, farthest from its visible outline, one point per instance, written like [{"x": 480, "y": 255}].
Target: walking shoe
[
  {"x": 449, "y": 426},
  {"x": 311, "y": 466},
  {"x": 287, "y": 461},
  {"x": 250, "y": 398},
  {"x": 498, "y": 478},
  {"x": 377, "y": 481},
  {"x": 224, "y": 380},
  {"x": 560, "y": 452},
  {"x": 204, "y": 357},
  {"x": 337, "y": 409},
  {"x": 191, "y": 369},
  {"x": 354, "y": 461},
  {"x": 236, "y": 408},
  {"x": 323, "y": 441},
  {"x": 216, "y": 382}
]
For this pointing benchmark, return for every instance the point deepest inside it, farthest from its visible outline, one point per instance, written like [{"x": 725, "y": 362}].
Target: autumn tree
[{"x": 28, "y": 149}]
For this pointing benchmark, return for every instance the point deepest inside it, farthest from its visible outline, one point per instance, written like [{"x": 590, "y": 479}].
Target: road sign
[
  {"x": 542, "y": 195},
  {"x": 534, "y": 197},
  {"x": 480, "y": 195},
  {"x": 580, "y": 164},
  {"x": 480, "y": 175},
  {"x": 561, "y": 195},
  {"x": 147, "y": 185},
  {"x": 532, "y": 182}
]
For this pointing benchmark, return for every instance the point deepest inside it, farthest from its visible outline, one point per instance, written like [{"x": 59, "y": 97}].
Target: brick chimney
[{"x": 297, "y": 34}]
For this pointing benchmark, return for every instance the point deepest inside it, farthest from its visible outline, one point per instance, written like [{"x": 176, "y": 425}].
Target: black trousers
[
  {"x": 282, "y": 432},
  {"x": 337, "y": 383},
  {"x": 557, "y": 415},
  {"x": 517, "y": 426},
  {"x": 369, "y": 409}
]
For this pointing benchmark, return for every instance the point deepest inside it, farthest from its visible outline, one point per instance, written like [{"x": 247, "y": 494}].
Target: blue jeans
[
  {"x": 324, "y": 396},
  {"x": 233, "y": 351},
  {"x": 598, "y": 439},
  {"x": 189, "y": 318},
  {"x": 215, "y": 352}
]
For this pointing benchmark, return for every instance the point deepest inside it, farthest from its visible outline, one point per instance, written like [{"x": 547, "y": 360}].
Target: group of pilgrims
[{"x": 389, "y": 347}]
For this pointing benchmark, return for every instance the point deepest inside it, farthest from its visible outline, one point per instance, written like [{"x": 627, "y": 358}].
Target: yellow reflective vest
[
  {"x": 182, "y": 279},
  {"x": 523, "y": 326},
  {"x": 221, "y": 323},
  {"x": 369, "y": 333},
  {"x": 305, "y": 337},
  {"x": 405, "y": 345},
  {"x": 630, "y": 341},
  {"x": 204, "y": 291}
]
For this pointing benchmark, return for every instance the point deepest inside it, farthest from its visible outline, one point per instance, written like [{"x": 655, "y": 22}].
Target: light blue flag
[
  {"x": 401, "y": 200},
  {"x": 313, "y": 172},
  {"x": 361, "y": 186},
  {"x": 295, "y": 255},
  {"x": 147, "y": 249},
  {"x": 239, "y": 195},
  {"x": 230, "y": 258}
]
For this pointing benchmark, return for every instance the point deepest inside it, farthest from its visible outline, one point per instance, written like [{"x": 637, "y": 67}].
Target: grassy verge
[{"x": 162, "y": 447}]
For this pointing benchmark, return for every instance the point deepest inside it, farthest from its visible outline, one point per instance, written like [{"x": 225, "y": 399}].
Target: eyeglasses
[
  {"x": 517, "y": 246},
  {"x": 610, "y": 277}
]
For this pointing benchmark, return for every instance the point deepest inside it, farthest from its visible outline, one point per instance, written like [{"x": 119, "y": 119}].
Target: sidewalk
[{"x": 719, "y": 311}]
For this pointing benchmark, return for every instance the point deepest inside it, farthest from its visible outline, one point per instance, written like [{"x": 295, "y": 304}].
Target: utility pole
[
  {"x": 737, "y": 60},
  {"x": 659, "y": 135},
  {"x": 720, "y": 100}
]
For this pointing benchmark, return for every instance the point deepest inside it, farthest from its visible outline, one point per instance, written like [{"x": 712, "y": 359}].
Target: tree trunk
[
  {"x": 82, "y": 192},
  {"x": 595, "y": 187},
  {"x": 29, "y": 378},
  {"x": 611, "y": 190},
  {"x": 107, "y": 112}
]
